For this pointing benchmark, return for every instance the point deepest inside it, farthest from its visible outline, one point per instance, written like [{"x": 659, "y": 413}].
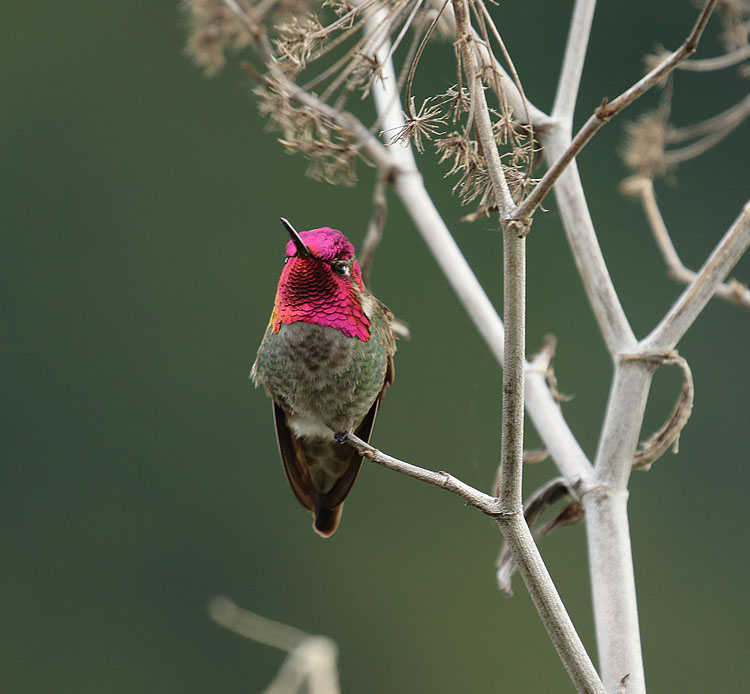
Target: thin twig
[
  {"x": 691, "y": 151},
  {"x": 514, "y": 279},
  {"x": 518, "y": 102},
  {"x": 511, "y": 521},
  {"x": 514, "y": 315},
  {"x": 473, "y": 497},
  {"x": 733, "y": 291},
  {"x": 465, "y": 40},
  {"x": 543, "y": 410},
  {"x": 718, "y": 63},
  {"x": 525, "y": 554},
  {"x": 608, "y": 110},
  {"x": 374, "y": 228},
  {"x": 681, "y": 316},
  {"x": 363, "y": 139},
  {"x": 726, "y": 120}
]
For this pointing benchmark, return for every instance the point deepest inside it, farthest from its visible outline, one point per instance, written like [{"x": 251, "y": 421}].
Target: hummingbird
[{"x": 325, "y": 360}]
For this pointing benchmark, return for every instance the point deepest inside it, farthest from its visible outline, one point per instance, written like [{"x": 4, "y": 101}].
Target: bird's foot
[{"x": 341, "y": 436}]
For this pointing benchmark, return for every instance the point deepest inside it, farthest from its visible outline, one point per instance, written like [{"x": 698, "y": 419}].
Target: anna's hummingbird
[{"x": 326, "y": 359}]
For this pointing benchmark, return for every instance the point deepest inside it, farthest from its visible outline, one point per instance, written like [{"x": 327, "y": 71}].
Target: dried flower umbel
[
  {"x": 334, "y": 51},
  {"x": 645, "y": 144},
  {"x": 214, "y": 29},
  {"x": 735, "y": 21}
]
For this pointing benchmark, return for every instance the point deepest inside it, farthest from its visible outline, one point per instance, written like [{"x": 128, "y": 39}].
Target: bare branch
[
  {"x": 608, "y": 110},
  {"x": 514, "y": 279},
  {"x": 374, "y": 228},
  {"x": 548, "y": 420},
  {"x": 718, "y": 63},
  {"x": 311, "y": 665},
  {"x": 581, "y": 235},
  {"x": 610, "y": 554},
  {"x": 613, "y": 590},
  {"x": 484, "y": 502},
  {"x": 572, "y": 68},
  {"x": 514, "y": 314},
  {"x": 465, "y": 40},
  {"x": 681, "y": 316},
  {"x": 252, "y": 626},
  {"x": 542, "y": 407},
  {"x": 603, "y": 489},
  {"x": 725, "y": 122},
  {"x": 526, "y": 555},
  {"x": 605, "y": 500},
  {"x": 549, "y": 606},
  {"x": 536, "y": 504},
  {"x": 733, "y": 291}
]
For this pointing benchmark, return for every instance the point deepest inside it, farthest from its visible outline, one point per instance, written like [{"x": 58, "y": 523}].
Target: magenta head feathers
[{"x": 321, "y": 283}]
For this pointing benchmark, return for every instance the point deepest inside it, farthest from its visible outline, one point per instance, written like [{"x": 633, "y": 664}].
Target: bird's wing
[{"x": 295, "y": 461}]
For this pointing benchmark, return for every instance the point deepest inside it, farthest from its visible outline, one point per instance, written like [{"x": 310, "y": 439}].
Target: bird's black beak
[{"x": 302, "y": 250}]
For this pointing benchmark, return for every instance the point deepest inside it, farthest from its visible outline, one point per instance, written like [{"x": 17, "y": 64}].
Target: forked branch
[
  {"x": 732, "y": 291},
  {"x": 608, "y": 110},
  {"x": 686, "y": 309},
  {"x": 526, "y": 556}
]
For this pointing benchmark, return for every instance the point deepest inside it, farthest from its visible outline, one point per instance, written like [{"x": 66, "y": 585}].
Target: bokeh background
[{"x": 140, "y": 253}]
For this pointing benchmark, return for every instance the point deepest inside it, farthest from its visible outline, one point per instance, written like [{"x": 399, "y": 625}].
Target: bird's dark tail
[
  {"x": 327, "y": 520},
  {"x": 321, "y": 473}
]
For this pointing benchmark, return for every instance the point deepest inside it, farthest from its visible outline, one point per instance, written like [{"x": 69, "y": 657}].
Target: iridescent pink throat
[{"x": 311, "y": 292}]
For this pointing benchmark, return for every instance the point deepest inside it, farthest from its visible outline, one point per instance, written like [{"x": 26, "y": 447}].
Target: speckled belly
[{"x": 323, "y": 379}]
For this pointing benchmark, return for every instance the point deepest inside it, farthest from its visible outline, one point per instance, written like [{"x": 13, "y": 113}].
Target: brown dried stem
[
  {"x": 656, "y": 445},
  {"x": 374, "y": 228}
]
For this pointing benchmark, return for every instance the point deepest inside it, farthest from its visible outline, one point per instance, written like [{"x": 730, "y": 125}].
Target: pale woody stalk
[{"x": 510, "y": 500}]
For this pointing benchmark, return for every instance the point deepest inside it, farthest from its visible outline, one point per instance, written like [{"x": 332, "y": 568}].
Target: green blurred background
[{"x": 141, "y": 249}]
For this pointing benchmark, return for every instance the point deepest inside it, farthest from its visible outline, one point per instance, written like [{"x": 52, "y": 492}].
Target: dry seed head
[
  {"x": 645, "y": 143},
  {"x": 214, "y": 29},
  {"x": 326, "y": 144},
  {"x": 424, "y": 123},
  {"x": 735, "y": 20},
  {"x": 298, "y": 39},
  {"x": 458, "y": 99}
]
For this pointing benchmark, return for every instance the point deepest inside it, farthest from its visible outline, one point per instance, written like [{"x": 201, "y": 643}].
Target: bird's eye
[{"x": 340, "y": 268}]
